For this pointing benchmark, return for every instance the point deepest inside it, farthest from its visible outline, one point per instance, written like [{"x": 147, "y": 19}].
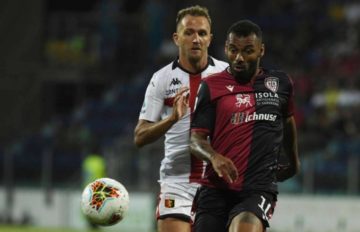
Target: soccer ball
[{"x": 105, "y": 202}]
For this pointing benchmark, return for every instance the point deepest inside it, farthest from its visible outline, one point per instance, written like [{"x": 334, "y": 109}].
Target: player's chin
[
  {"x": 195, "y": 56},
  {"x": 237, "y": 72}
]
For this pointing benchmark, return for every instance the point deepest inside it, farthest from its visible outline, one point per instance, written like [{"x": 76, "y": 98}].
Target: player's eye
[
  {"x": 202, "y": 33},
  {"x": 248, "y": 51},
  {"x": 233, "y": 50},
  {"x": 187, "y": 33}
]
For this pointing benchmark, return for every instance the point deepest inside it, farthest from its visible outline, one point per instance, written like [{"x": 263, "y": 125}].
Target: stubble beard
[
  {"x": 195, "y": 58},
  {"x": 245, "y": 75},
  {"x": 195, "y": 61}
]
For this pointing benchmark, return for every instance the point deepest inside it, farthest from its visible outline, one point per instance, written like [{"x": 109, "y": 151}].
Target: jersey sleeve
[
  {"x": 203, "y": 117},
  {"x": 289, "y": 109},
  {"x": 153, "y": 101}
]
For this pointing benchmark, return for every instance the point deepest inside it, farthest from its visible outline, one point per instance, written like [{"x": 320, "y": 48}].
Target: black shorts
[{"x": 215, "y": 208}]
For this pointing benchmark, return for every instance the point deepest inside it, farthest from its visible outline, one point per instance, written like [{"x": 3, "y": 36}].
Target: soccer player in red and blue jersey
[{"x": 242, "y": 121}]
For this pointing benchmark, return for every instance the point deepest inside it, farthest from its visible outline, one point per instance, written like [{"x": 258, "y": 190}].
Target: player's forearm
[
  {"x": 291, "y": 150},
  {"x": 148, "y": 132},
  {"x": 200, "y": 147},
  {"x": 223, "y": 166}
]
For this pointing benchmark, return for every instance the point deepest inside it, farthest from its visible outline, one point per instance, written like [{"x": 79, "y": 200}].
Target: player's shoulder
[
  {"x": 218, "y": 63},
  {"x": 217, "y": 78},
  {"x": 216, "y": 68},
  {"x": 276, "y": 73},
  {"x": 165, "y": 70},
  {"x": 163, "y": 75},
  {"x": 275, "y": 77}
]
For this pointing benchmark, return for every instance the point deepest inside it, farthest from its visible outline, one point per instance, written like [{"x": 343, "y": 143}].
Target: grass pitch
[
  {"x": 35, "y": 229},
  {"x": 6, "y": 228}
]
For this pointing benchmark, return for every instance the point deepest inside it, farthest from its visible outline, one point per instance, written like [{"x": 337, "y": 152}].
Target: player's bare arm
[
  {"x": 147, "y": 132},
  {"x": 200, "y": 147},
  {"x": 291, "y": 150}
]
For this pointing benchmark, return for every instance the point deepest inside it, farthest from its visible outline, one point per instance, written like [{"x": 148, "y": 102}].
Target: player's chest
[
  {"x": 172, "y": 84},
  {"x": 261, "y": 96},
  {"x": 240, "y": 101}
]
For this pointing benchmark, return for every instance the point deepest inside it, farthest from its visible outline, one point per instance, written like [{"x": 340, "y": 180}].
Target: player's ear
[
  {"x": 226, "y": 47},
  {"x": 211, "y": 37},
  {"x": 176, "y": 38},
  {"x": 262, "y": 50}
]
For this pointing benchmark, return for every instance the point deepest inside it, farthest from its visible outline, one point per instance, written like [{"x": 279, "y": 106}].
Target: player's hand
[
  {"x": 181, "y": 103},
  {"x": 225, "y": 168}
]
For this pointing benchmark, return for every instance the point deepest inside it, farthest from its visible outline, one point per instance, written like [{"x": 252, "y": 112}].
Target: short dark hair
[
  {"x": 193, "y": 11},
  {"x": 244, "y": 28}
]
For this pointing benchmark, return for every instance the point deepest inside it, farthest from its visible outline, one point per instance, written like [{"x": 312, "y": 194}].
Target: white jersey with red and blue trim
[{"x": 177, "y": 165}]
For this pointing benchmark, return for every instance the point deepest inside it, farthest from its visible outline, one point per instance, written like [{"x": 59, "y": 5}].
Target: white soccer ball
[{"x": 105, "y": 201}]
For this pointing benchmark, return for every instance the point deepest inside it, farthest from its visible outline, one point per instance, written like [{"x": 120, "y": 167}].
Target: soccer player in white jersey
[{"x": 169, "y": 101}]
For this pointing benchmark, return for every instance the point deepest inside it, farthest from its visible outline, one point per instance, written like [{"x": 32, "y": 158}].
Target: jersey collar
[{"x": 176, "y": 64}]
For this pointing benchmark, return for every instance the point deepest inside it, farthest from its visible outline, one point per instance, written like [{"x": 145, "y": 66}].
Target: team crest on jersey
[
  {"x": 243, "y": 99},
  {"x": 272, "y": 83},
  {"x": 169, "y": 203}
]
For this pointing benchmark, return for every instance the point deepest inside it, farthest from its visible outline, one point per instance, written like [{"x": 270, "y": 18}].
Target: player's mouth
[
  {"x": 196, "y": 49},
  {"x": 239, "y": 68}
]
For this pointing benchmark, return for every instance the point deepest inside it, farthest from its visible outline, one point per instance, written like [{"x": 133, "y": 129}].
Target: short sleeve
[
  {"x": 289, "y": 109},
  {"x": 203, "y": 117},
  {"x": 153, "y": 101}
]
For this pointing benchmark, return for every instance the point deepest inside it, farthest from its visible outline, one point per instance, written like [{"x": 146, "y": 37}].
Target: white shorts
[{"x": 175, "y": 200}]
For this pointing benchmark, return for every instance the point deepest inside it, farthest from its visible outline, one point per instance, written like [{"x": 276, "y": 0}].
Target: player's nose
[
  {"x": 196, "y": 38},
  {"x": 239, "y": 57}
]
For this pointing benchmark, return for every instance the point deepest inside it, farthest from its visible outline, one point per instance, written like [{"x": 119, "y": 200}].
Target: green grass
[
  {"x": 35, "y": 229},
  {"x": 7, "y": 228}
]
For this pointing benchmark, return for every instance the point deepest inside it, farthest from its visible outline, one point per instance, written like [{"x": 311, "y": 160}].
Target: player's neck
[
  {"x": 193, "y": 67},
  {"x": 257, "y": 73}
]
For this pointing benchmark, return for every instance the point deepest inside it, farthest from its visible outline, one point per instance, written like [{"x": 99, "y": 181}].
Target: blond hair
[{"x": 193, "y": 11}]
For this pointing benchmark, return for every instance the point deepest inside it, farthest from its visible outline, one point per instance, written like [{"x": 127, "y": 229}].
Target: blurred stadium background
[{"x": 73, "y": 76}]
